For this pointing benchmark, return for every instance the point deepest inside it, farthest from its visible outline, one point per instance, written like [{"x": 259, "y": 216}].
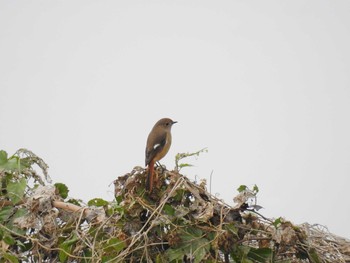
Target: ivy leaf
[
  {"x": 277, "y": 222},
  {"x": 11, "y": 224},
  {"x": 20, "y": 212},
  {"x": 194, "y": 244},
  {"x": 74, "y": 201},
  {"x": 194, "y": 231},
  {"x": 233, "y": 229},
  {"x": 201, "y": 251},
  {"x": 169, "y": 210},
  {"x": 174, "y": 254},
  {"x": 114, "y": 245},
  {"x": 119, "y": 199},
  {"x": 242, "y": 188},
  {"x": 23, "y": 246},
  {"x": 115, "y": 208},
  {"x": 62, "y": 190},
  {"x": 201, "y": 248},
  {"x": 240, "y": 254},
  {"x": 26, "y": 162},
  {"x": 5, "y": 213},
  {"x": 244, "y": 250},
  {"x": 8, "y": 164},
  {"x": 256, "y": 189},
  {"x": 9, "y": 240},
  {"x": 179, "y": 195},
  {"x": 10, "y": 258},
  {"x": 182, "y": 165},
  {"x": 66, "y": 248},
  {"x": 313, "y": 256},
  {"x": 160, "y": 258},
  {"x": 97, "y": 202},
  {"x": 260, "y": 254},
  {"x": 3, "y": 157},
  {"x": 180, "y": 156},
  {"x": 15, "y": 190}
]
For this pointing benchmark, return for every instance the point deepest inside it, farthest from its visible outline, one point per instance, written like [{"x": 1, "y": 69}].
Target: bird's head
[{"x": 166, "y": 123}]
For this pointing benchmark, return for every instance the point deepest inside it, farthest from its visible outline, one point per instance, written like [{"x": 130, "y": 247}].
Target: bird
[{"x": 157, "y": 146}]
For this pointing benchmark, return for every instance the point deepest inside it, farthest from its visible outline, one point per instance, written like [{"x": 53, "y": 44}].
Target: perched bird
[{"x": 158, "y": 144}]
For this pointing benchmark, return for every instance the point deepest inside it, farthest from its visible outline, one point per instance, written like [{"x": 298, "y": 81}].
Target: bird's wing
[{"x": 158, "y": 145}]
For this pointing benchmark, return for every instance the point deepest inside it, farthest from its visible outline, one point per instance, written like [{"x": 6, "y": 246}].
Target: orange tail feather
[{"x": 150, "y": 176}]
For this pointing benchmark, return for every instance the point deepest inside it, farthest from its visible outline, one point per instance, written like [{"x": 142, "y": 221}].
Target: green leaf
[
  {"x": 8, "y": 164},
  {"x": 15, "y": 190},
  {"x": 107, "y": 259},
  {"x": 240, "y": 253},
  {"x": 10, "y": 258},
  {"x": 114, "y": 244},
  {"x": 200, "y": 252},
  {"x": 277, "y": 222},
  {"x": 182, "y": 165},
  {"x": 242, "y": 188},
  {"x": 26, "y": 162},
  {"x": 211, "y": 235},
  {"x": 5, "y": 213},
  {"x": 9, "y": 240},
  {"x": 3, "y": 157},
  {"x": 190, "y": 234},
  {"x": 201, "y": 248},
  {"x": 119, "y": 199},
  {"x": 14, "y": 227},
  {"x": 232, "y": 228},
  {"x": 62, "y": 190},
  {"x": 97, "y": 202},
  {"x": 21, "y": 245},
  {"x": 114, "y": 207},
  {"x": 20, "y": 212},
  {"x": 313, "y": 256},
  {"x": 169, "y": 210},
  {"x": 261, "y": 254},
  {"x": 86, "y": 254},
  {"x": 74, "y": 202},
  {"x": 194, "y": 244},
  {"x": 160, "y": 258},
  {"x": 175, "y": 254},
  {"x": 180, "y": 156},
  {"x": 244, "y": 250},
  {"x": 13, "y": 164},
  {"x": 66, "y": 248},
  {"x": 179, "y": 195}
]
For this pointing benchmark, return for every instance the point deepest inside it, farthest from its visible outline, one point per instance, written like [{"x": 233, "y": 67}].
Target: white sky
[{"x": 265, "y": 85}]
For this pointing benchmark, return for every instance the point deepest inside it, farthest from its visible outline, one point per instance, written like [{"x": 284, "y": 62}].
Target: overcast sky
[{"x": 265, "y": 85}]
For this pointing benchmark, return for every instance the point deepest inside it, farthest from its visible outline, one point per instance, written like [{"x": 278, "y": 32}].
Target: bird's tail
[{"x": 150, "y": 176}]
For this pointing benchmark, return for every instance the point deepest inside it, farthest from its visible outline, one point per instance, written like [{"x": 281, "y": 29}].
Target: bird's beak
[{"x": 174, "y": 122}]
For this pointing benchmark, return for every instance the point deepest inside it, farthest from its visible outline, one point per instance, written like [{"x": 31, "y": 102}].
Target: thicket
[{"x": 178, "y": 222}]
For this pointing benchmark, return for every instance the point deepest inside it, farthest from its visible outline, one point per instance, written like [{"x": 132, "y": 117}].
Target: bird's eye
[{"x": 167, "y": 124}]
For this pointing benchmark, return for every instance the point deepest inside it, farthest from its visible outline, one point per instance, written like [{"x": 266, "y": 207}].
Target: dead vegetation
[{"x": 178, "y": 222}]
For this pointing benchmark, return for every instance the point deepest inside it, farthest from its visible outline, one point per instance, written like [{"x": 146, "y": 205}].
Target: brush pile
[{"x": 178, "y": 222}]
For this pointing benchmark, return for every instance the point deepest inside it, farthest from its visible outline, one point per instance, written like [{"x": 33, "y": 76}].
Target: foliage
[
  {"x": 178, "y": 222},
  {"x": 181, "y": 156}
]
